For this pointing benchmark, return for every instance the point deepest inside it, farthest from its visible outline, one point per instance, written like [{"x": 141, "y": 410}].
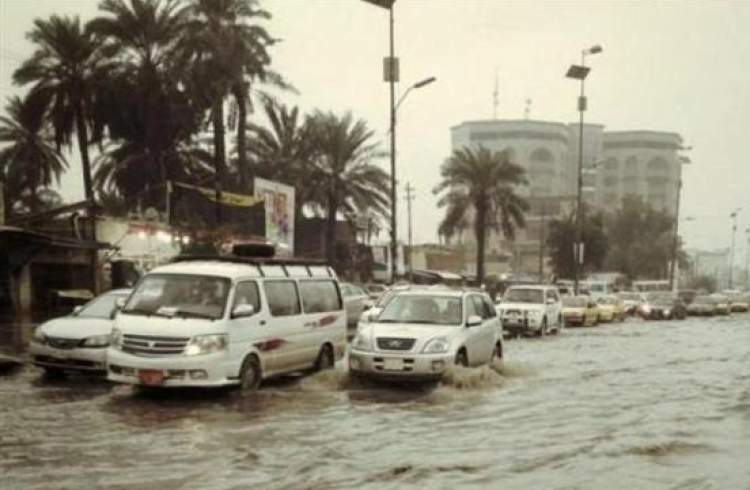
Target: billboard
[{"x": 279, "y": 204}]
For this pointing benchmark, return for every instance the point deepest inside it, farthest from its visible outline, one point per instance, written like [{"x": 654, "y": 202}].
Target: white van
[{"x": 227, "y": 321}]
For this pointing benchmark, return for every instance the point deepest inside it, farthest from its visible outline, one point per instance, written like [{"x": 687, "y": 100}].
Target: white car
[
  {"x": 356, "y": 301},
  {"x": 77, "y": 342},
  {"x": 531, "y": 310},
  {"x": 420, "y": 334},
  {"x": 228, "y": 321}
]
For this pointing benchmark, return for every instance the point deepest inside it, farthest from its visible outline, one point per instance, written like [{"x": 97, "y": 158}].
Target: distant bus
[{"x": 649, "y": 286}]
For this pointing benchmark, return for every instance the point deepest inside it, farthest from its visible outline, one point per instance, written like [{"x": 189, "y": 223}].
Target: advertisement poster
[{"x": 279, "y": 203}]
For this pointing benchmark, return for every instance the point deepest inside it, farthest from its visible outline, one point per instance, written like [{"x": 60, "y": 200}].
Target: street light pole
[
  {"x": 392, "y": 82},
  {"x": 579, "y": 72},
  {"x": 731, "y": 251},
  {"x": 747, "y": 260},
  {"x": 409, "y": 198}
]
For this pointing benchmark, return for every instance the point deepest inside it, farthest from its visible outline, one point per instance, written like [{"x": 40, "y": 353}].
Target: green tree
[
  {"x": 484, "y": 183},
  {"x": 64, "y": 69},
  {"x": 227, "y": 50},
  {"x": 29, "y": 159},
  {"x": 348, "y": 180},
  {"x": 561, "y": 238},
  {"x": 641, "y": 239},
  {"x": 142, "y": 103}
]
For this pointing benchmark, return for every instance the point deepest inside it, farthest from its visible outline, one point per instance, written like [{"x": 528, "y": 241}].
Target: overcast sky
[{"x": 670, "y": 66}]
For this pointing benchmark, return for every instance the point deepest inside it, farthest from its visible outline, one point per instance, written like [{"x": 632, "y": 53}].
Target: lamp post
[
  {"x": 391, "y": 75},
  {"x": 675, "y": 236},
  {"x": 731, "y": 251},
  {"x": 747, "y": 260},
  {"x": 579, "y": 72}
]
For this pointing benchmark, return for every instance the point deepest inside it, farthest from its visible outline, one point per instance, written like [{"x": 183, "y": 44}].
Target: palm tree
[
  {"x": 485, "y": 182},
  {"x": 28, "y": 159},
  {"x": 349, "y": 182},
  {"x": 228, "y": 50},
  {"x": 284, "y": 152},
  {"x": 63, "y": 69},
  {"x": 142, "y": 103}
]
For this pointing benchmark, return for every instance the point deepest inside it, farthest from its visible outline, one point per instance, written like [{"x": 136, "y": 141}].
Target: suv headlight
[
  {"x": 96, "y": 341},
  {"x": 206, "y": 344},
  {"x": 362, "y": 342},
  {"x": 39, "y": 336},
  {"x": 438, "y": 345},
  {"x": 115, "y": 338}
]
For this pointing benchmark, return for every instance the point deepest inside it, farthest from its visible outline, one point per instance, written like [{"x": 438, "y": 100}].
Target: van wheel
[
  {"x": 497, "y": 353},
  {"x": 251, "y": 375},
  {"x": 325, "y": 359},
  {"x": 462, "y": 359}
]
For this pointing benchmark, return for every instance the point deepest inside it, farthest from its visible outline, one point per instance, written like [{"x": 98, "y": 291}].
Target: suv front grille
[
  {"x": 147, "y": 345},
  {"x": 395, "y": 343}
]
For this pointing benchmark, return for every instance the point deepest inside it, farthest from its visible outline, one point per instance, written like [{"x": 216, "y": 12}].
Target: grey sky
[{"x": 672, "y": 66}]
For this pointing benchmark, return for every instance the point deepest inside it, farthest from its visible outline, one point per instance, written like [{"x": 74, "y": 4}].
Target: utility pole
[
  {"x": 541, "y": 242},
  {"x": 675, "y": 237},
  {"x": 409, "y": 198}
]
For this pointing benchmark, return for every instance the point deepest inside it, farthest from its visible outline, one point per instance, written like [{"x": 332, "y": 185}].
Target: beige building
[{"x": 616, "y": 163}]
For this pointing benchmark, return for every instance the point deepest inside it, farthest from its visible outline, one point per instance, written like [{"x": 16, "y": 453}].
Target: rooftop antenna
[
  {"x": 495, "y": 100},
  {"x": 527, "y": 109}
]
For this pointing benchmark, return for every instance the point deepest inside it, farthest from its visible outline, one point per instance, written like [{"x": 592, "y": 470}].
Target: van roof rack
[{"x": 250, "y": 260}]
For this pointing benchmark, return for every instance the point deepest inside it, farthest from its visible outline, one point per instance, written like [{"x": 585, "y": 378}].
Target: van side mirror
[
  {"x": 77, "y": 309},
  {"x": 473, "y": 321},
  {"x": 119, "y": 303},
  {"x": 550, "y": 301},
  {"x": 243, "y": 310}
]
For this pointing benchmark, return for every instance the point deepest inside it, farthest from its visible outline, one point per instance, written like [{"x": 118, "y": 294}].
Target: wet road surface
[{"x": 662, "y": 405}]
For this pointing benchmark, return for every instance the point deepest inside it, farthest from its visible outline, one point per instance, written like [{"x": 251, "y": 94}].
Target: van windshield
[{"x": 179, "y": 295}]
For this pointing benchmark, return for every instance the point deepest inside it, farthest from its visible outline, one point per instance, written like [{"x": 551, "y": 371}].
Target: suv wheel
[{"x": 462, "y": 359}]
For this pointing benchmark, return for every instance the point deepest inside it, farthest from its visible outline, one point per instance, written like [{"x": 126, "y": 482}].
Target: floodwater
[{"x": 662, "y": 405}]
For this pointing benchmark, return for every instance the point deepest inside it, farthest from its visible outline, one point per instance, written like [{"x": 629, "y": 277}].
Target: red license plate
[{"x": 151, "y": 377}]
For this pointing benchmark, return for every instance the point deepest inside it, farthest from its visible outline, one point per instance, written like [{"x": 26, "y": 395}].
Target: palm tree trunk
[
  {"x": 479, "y": 231},
  {"x": 219, "y": 154},
  {"x": 83, "y": 147},
  {"x": 331, "y": 229},
  {"x": 240, "y": 95}
]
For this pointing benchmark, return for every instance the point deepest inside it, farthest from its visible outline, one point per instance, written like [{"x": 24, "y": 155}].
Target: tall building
[{"x": 616, "y": 164}]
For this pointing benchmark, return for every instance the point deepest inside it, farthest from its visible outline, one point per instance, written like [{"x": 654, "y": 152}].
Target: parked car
[
  {"x": 738, "y": 303},
  {"x": 687, "y": 295},
  {"x": 77, "y": 342},
  {"x": 702, "y": 306},
  {"x": 356, "y": 301},
  {"x": 723, "y": 306},
  {"x": 631, "y": 301},
  {"x": 531, "y": 310},
  {"x": 579, "y": 311},
  {"x": 665, "y": 306},
  {"x": 420, "y": 334},
  {"x": 611, "y": 308},
  {"x": 228, "y": 322},
  {"x": 375, "y": 291}
]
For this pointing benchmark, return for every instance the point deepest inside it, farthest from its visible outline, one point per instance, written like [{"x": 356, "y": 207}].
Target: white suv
[
  {"x": 527, "y": 310},
  {"x": 420, "y": 334}
]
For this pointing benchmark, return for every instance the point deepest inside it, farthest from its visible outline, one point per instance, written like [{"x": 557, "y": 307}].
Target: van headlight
[
  {"x": 96, "y": 341},
  {"x": 438, "y": 345},
  {"x": 206, "y": 344},
  {"x": 115, "y": 338},
  {"x": 362, "y": 342},
  {"x": 39, "y": 336}
]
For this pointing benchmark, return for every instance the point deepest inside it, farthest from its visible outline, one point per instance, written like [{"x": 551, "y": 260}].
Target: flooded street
[{"x": 633, "y": 405}]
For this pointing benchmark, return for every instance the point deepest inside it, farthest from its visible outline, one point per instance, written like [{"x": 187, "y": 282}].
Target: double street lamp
[
  {"x": 580, "y": 72},
  {"x": 391, "y": 75}
]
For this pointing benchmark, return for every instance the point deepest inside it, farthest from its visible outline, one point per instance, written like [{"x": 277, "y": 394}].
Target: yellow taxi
[
  {"x": 580, "y": 311},
  {"x": 611, "y": 308}
]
